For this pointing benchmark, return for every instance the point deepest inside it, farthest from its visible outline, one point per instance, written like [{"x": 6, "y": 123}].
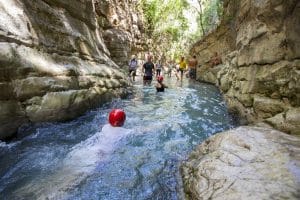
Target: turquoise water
[{"x": 75, "y": 160}]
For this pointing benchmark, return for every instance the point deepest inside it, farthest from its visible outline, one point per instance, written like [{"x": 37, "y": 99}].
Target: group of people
[
  {"x": 148, "y": 73},
  {"x": 190, "y": 67},
  {"x": 149, "y": 69}
]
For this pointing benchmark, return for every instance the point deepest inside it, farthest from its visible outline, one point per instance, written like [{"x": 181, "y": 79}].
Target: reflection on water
[{"x": 76, "y": 160}]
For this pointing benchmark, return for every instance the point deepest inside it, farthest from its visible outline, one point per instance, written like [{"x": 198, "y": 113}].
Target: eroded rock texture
[
  {"x": 244, "y": 163},
  {"x": 260, "y": 76},
  {"x": 123, "y": 28},
  {"x": 54, "y": 63}
]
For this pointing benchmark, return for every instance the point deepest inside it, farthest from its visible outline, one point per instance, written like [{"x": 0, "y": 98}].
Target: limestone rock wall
[
  {"x": 244, "y": 163},
  {"x": 260, "y": 75},
  {"x": 54, "y": 63},
  {"x": 123, "y": 28}
]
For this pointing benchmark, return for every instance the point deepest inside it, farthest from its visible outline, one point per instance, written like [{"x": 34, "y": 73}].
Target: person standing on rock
[
  {"x": 192, "y": 67},
  {"x": 148, "y": 69},
  {"x": 182, "y": 67},
  {"x": 215, "y": 60},
  {"x": 133, "y": 63}
]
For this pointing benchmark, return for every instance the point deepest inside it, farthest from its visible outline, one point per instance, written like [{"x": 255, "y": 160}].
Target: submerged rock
[{"x": 244, "y": 163}]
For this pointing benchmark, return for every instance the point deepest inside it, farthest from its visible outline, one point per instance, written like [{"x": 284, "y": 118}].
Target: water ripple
[{"x": 73, "y": 160}]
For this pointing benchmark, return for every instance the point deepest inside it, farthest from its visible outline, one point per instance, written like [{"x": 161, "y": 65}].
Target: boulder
[{"x": 244, "y": 163}]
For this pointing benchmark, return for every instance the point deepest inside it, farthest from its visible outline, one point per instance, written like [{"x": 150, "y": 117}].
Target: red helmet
[
  {"x": 160, "y": 78},
  {"x": 117, "y": 117}
]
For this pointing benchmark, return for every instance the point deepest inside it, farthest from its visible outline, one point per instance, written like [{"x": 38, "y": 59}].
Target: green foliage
[
  {"x": 168, "y": 27},
  {"x": 219, "y": 8},
  {"x": 211, "y": 14},
  {"x": 166, "y": 23}
]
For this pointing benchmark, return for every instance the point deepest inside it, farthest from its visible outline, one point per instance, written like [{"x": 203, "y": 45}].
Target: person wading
[
  {"x": 160, "y": 86},
  {"x": 158, "y": 68},
  {"x": 192, "y": 67},
  {"x": 182, "y": 67},
  {"x": 148, "y": 69},
  {"x": 133, "y": 64}
]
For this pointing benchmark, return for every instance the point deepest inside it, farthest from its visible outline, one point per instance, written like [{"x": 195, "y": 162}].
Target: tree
[
  {"x": 199, "y": 10},
  {"x": 168, "y": 27},
  {"x": 166, "y": 24},
  {"x": 209, "y": 13}
]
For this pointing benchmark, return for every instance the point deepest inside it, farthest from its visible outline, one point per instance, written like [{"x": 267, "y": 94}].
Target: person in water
[
  {"x": 192, "y": 67},
  {"x": 158, "y": 68},
  {"x": 177, "y": 71},
  {"x": 182, "y": 67},
  {"x": 160, "y": 86},
  {"x": 169, "y": 68},
  {"x": 82, "y": 160},
  {"x": 148, "y": 69},
  {"x": 133, "y": 64},
  {"x": 117, "y": 118}
]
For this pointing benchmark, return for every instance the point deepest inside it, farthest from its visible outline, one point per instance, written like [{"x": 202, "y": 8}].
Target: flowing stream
[{"x": 76, "y": 160}]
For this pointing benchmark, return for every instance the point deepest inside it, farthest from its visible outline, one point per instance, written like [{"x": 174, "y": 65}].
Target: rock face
[
  {"x": 122, "y": 27},
  {"x": 244, "y": 163},
  {"x": 260, "y": 75},
  {"x": 54, "y": 63}
]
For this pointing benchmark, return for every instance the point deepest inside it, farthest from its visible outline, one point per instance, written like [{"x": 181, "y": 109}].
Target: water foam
[{"x": 79, "y": 163}]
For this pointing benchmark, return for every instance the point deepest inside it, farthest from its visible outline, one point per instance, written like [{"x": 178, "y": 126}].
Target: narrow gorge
[
  {"x": 258, "y": 42},
  {"x": 61, "y": 58},
  {"x": 233, "y": 133}
]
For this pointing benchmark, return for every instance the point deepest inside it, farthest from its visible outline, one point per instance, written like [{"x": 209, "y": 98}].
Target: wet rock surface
[
  {"x": 259, "y": 75},
  {"x": 54, "y": 62},
  {"x": 244, "y": 163},
  {"x": 259, "y": 78},
  {"x": 123, "y": 29}
]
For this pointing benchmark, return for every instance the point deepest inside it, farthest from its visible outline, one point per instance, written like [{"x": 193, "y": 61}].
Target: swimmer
[
  {"x": 81, "y": 161},
  {"x": 160, "y": 86}
]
